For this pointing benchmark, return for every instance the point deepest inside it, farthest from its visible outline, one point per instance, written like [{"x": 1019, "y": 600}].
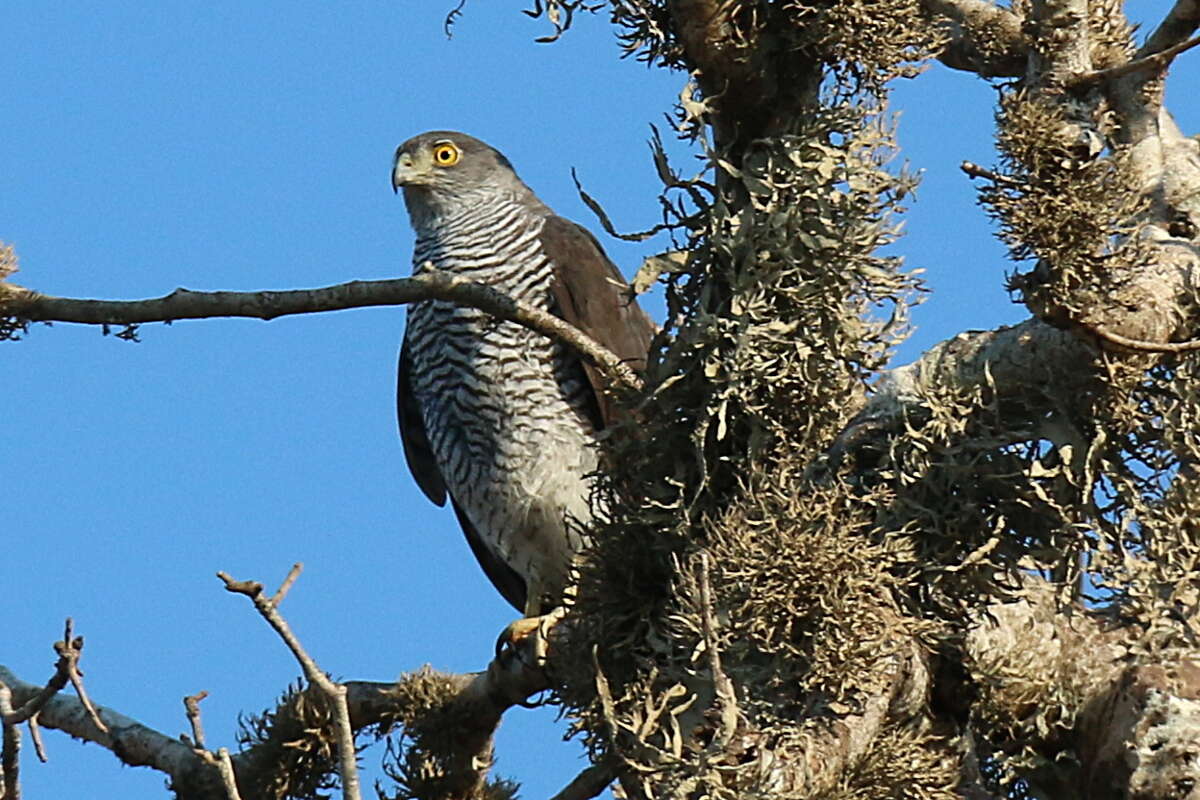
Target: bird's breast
[{"x": 504, "y": 407}]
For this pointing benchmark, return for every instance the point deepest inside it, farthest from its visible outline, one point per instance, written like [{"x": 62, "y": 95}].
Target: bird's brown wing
[
  {"x": 591, "y": 294},
  {"x": 417, "y": 450},
  {"x": 423, "y": 466}
]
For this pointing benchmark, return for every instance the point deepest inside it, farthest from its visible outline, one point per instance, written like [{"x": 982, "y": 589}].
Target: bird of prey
[{"x": 500, "y": 419}]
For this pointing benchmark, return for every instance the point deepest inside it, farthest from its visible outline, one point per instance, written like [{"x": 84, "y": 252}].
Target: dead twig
[
  {"x": 35, "y": 733},
  {"x": 335, "y": 693},
  {"x": 69, "y": 650},
  {"x": 973, "y": 170},
  {"x": 293, "y": 573},
  {"x": 192, "y": 705},
  {"x": 726, "y": 697}
]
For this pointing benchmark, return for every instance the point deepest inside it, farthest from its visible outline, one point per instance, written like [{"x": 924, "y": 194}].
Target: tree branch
[
  {"x": 1179, "y": 24},
  {"x": 474, "y": 702},
  {"x": 135, "y": 744},
  {"x": 23, "y": 305},
  {"x": 10, "y": 749},
  {"x": 1132, "y": 724},
  {"x": 1150, "y": 63},
  {"x": 587, "y": 784},
  {"x": 983, "y": 37}
]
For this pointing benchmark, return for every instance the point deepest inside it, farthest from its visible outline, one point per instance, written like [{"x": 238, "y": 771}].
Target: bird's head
[{"x": 444, "y": 168}]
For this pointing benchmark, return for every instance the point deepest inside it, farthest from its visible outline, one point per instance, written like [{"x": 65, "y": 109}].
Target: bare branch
[
  {"x": 587, "y": 784},
  {"x": 1179, "y": 24},
  {"x": 25, "y": 305},
  {"x": 1150, "y": 63},
  {"x": 135, "y": 744},
  {"x": 227, "y": 776},
  {"x": 335, "y": 693},
  {"x": 53, "y": 686},
  {"x": 69, "y": 650},
  {"x": 293, "y": 573},
  {"x": 35, "y": 733}
]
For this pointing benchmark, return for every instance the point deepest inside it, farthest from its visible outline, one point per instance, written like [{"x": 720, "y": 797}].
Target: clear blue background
[{"x": 247, "y": 145}]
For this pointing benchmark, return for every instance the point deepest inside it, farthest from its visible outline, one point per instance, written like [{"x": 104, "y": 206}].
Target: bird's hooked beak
[{"x": 404, "y": 171}]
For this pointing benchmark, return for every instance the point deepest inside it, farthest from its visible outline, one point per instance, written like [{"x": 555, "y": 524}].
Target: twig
[
  {"x": 334, "y": 692},
  {"x": 587, "y": 784},
  {"x": 293, "y": 573},
  {"x": 191, "y": 704},
  {"x": 975, "y": 171},
  {"x": 35, "y": 733},
  {"x": 1141, "y": 344},
  {"x": 70, "y": 649},
  {"x": 726, "y": 697},
  {"x": 225, "y": 764},
  {"x": 34, "y": 704},
  {"x": 25, "y": 305},
  {"x": 452, "y": 17},
  {"x": 10, "y": 754},
  {"x": 1155, "y": 61},
  {"x": 66, "y": 669}
]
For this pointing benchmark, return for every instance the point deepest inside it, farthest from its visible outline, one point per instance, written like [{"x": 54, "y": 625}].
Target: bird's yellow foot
[{"x": 527, "y": 638}]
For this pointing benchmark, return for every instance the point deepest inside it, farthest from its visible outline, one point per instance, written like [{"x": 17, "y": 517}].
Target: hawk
[{"x": 502, "y": 420}]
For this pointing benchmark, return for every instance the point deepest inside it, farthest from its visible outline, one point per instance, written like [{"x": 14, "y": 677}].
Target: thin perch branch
[{"x": 25, "y": 305}]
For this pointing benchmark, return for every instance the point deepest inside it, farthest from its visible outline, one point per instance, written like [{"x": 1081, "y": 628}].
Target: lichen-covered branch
[
  {"x": 267, "y": 763},
  {"x": 22, "y": 306},
  {"x": 1074, "y": 679},
  {"x": 982, "y": 37},
  {"x": 135, "y": 744}
]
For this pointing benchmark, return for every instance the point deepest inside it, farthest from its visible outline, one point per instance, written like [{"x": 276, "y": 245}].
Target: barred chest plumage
[{"x": 504, "y": 408}]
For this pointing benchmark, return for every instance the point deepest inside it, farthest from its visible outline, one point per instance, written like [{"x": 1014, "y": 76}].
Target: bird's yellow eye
[{"x": 445, "y": 155}]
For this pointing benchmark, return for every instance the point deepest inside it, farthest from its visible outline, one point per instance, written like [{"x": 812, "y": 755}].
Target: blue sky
[{"x": 247, "y": 145}]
